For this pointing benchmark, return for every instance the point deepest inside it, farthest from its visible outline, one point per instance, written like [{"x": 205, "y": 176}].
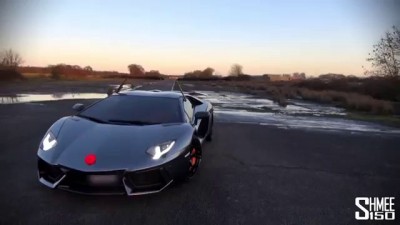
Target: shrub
[
  {"x": 56, "y": 72},
  {"x": 279, "y": 98},
  {"x": 241, "y": 77},
  {"x": 385, "y": 88},
  {"x": 351, "y": 101},
  {"x": 9, "y": 73}
]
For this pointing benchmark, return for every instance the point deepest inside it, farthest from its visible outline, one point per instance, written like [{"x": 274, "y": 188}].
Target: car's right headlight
[
  {"x": 49, "y": 141},
  {"x": 159, "y": 150}
]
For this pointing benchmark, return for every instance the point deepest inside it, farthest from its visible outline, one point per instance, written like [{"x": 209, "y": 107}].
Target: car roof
[{"x": 152, "y": 93}]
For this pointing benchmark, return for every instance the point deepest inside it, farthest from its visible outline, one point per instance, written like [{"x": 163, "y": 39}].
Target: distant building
[
  {"x": 278, "y": 77},
  {"x": 259, "y": 78},
  {"x": 331, "y": 76},
  {"x": 173, "y": 77}
]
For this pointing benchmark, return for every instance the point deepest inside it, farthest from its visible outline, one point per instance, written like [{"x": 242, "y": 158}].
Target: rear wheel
[{"x": 195, "y": 155}]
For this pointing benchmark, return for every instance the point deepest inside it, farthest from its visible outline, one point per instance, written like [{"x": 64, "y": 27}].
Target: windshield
[{"x": 136, "y": 110}]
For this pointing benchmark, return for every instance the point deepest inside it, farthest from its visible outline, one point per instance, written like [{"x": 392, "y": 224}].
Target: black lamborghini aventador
[{"x": 132, "y": 143}]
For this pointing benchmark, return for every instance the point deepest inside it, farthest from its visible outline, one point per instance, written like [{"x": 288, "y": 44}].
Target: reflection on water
[
  {"x": 226, "y": 101},
  {"x": 23, "y": 98}
]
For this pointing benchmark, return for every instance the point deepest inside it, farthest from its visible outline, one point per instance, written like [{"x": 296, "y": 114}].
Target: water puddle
[
  {"x": 25, "y": 98},
  {"x": 34, "y": 97}
]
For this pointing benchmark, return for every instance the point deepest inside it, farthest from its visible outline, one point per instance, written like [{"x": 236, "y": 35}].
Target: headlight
[
  {"x": 161, "y": 149},
  {"x": 49, "y": 141}
]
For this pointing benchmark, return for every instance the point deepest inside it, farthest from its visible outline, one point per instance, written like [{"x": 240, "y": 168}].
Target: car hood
[{"x": 117, "y": 147}]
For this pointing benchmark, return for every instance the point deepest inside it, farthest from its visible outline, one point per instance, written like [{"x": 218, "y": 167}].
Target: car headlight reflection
[
  {"x": 49, "y": 141},
  {"x": 160, "y": 150}
]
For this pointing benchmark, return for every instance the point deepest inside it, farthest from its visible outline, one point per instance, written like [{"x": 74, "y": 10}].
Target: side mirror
[
  {"x": 78, "y": 107},
  {"x": 201, "y": 115}
]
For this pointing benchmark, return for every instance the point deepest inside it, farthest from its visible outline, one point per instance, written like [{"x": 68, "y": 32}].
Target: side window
[{"x": 188, "y": 108}]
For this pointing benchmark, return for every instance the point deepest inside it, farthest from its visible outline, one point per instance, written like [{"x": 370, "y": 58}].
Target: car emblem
[{"x": 90, "y": 159}]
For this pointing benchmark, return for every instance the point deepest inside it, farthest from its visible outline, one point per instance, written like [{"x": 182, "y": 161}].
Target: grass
[
  {"x": 348, "y": 100},
  {"x": 35, "y": 75}
]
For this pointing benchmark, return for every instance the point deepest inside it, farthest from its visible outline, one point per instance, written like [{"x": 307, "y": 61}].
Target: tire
[{"x": 194, "y": 160}]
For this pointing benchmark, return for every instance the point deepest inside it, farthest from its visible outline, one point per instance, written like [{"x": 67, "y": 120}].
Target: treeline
[
  {"x": 137, "y": 71},
  {"x": 64, "y": 70},
  {"x": 236, "y": 73},
  {"x": 206, "y": 74}
]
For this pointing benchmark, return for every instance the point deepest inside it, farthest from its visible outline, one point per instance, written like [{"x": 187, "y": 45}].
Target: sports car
[{"x": 129, "y": 143}]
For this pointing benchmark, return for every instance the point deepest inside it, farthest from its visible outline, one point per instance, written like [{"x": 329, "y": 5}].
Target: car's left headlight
[
  {"x": 49, "y": 141},
  {"x": 160, "y": 150}
]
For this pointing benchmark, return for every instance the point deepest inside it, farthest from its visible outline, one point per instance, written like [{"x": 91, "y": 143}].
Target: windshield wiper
[
  {"x": 131, "y": 122},
  {"x": 92, "y": 119}
]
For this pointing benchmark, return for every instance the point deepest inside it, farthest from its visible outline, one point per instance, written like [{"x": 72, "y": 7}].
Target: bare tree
[
  {"x": 136, "y": 70},
  {"x": 299, "y": 76},
  {"x": 236, "y": 70},
  {"x": 386, "y": 54},
  {"x": 11, "y": 58}
]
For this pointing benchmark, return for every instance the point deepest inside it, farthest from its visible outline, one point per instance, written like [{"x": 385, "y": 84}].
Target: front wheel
[{"x": 195, "y": 155}]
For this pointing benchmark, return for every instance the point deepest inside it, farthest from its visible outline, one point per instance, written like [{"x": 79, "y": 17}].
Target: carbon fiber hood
[{"x": 117, "y": 147}]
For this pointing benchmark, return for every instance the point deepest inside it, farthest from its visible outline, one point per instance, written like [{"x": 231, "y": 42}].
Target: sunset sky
[{"x": 311, "y": 36}]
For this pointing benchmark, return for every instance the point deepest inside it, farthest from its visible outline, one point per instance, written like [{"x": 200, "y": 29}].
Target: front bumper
[{"x": 118, "y": 182}]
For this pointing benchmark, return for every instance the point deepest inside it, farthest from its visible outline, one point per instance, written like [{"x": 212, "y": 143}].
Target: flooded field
[
  {"x": 227, "y": 101},
  {"x": 243, "y": 108},
  {"x": 26, "y": 98}
]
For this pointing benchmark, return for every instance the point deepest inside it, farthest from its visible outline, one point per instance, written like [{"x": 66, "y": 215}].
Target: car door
[{"x": 189, "y": 110}]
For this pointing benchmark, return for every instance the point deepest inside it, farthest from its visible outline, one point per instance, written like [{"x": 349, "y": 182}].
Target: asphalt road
[{"x": 250, "y": 174}]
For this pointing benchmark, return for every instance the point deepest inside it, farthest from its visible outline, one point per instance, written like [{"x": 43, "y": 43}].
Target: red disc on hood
[{"x": 90, "y": 159}]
